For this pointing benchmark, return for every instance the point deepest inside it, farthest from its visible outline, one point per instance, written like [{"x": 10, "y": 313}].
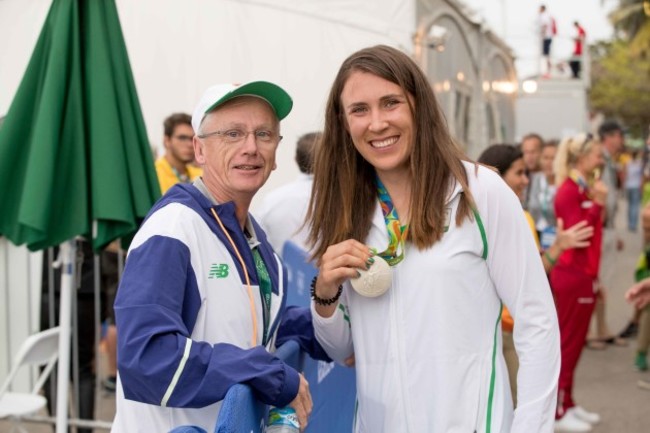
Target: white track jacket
[{"x": 428, "y": 352}]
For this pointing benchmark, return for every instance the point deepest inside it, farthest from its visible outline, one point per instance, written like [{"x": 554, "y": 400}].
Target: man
[
  {"x": 531, "y": 148},
  {"x": 576, "y": 59},
  {"x": 202, "y": 295},
  {"x": 176, "y": 164},
  {"x": 611, "y": 135},
  {"x": 546, "y": 32},
  {"x": 283, "y": 211}
]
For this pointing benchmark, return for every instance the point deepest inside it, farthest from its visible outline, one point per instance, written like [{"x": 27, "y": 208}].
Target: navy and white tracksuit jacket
[{"x": 184, "y": 318}]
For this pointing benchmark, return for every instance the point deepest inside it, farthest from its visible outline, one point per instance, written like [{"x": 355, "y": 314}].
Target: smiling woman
[
  {"x": 392, "y": 189},
  {"x": 379, "y": 118}
]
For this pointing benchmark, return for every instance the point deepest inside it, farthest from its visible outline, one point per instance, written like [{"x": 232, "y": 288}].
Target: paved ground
[{"x": 606, "y": 380}]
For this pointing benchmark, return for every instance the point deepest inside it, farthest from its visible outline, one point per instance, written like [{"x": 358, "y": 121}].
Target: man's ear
[
  {"x": 199, "y": 150},
  {"x": 275, "y": 165},
  {"x": 166, "y": 140}
]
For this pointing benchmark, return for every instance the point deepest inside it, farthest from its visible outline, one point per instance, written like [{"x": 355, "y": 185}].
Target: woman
[
  {"x": 575, "y": 274},
  {"x": 509, "y": 162},
  {"x": 388, "y": 178}
]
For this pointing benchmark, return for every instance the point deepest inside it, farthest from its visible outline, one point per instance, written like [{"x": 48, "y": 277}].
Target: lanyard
[
  {"x": 265, "y": 291},
  {"x": 546, "y": 196},
  {"x": 396, "y": 232},
  {"x": 578, "y": 178},
  {"x": 249, "y": 289}
]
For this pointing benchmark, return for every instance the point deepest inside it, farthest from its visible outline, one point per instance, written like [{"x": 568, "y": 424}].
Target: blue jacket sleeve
[
  {"x": 156, "y": 308},
  {"x": 297, "y": 325}
]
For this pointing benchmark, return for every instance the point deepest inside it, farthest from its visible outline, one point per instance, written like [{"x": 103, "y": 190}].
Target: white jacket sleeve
[
  {"x": 516, "y": 269},
  {"x": 334, "y": 333}
]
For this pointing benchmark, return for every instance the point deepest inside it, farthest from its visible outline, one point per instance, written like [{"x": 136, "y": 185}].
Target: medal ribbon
[
  {"x": 396, "y": 232},
  {"x": 578, "y": 178}
]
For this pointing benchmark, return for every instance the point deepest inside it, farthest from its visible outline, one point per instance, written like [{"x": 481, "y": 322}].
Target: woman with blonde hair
[
  {"x": 418, "y": 249},
  {"x": 574, "y": 278}
]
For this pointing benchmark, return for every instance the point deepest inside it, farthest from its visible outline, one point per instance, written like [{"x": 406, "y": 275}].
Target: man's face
[
  {"x": 179, "y": 145},
  {"x": 614, "y": 142},
  {"x": 237, "y": 169},
  {"x": 546, "y": 160},
  {"x": 532, "y": 149}
]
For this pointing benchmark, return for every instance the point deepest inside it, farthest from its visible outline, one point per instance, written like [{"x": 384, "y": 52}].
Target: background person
[
  {"x": 531, "y": 147},
  {"x": 176, "y": 164},
  {"x": 547, "y": 30},
  {"x": 282, "y": 214},
  {"x": 575, "y": 275},
  {"x": 633, "y": 184},
  {"x": 578, "y": 46},
  {"x": 388, "y": 178},
  {"x": 641, "y": 273},
  {"x": 509, "y": 162},
  {"x": 541, "y": 195},
  {"x": 611, "y": 136}
]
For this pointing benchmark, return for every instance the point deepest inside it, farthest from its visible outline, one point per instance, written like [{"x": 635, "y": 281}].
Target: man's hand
[{"x": 302, "y": 404}]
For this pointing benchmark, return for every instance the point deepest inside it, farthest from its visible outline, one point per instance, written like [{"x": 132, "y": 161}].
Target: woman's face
[
  {"x": 379, "y": 121},
  {"x": 546, "y": 160},
  {"x": 591, "y": 159},
  {"x": 516, "y": 177}
]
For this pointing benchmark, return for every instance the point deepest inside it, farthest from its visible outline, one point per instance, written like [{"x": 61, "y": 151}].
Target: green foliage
[
  {"x": 621, "y": 79},
  {"x": 629, "y": 17}
]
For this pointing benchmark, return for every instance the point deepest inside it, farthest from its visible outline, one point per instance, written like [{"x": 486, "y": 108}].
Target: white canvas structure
[{"x": 177, "y": 48}]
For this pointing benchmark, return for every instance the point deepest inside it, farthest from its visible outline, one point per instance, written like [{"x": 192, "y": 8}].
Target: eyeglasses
[
  {"x": 236, "y": 136},
  {"x": 182, "y": 137}
]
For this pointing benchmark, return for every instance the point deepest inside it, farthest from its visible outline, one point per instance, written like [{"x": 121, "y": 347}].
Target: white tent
[{"x": 179, "y": 48}]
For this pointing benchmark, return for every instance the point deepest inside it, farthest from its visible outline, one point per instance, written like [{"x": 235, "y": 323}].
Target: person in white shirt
[
  {"x": 546, "y": 30},
  {"x": 445, "y": 240},
  {"x": 282, "y": 213}
]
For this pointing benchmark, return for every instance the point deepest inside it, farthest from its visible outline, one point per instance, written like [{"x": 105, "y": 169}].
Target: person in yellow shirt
[{"x": 176, "y": 164}]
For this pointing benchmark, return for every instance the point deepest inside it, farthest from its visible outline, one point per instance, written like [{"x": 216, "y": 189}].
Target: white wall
[
  {"x": 557, "y": 109},
  {"x": 178, "y": 48}
]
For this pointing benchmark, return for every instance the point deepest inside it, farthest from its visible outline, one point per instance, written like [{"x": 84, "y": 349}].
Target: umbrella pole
[{"x": 68, "y": 252}]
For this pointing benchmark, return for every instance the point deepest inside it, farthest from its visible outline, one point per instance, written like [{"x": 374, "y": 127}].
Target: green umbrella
[
  {"x": 74, "y": 155},
  {"x": 73, "y": 147}
]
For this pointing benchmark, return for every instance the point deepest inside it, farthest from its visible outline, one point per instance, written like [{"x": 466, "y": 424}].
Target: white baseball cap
[{"x": 216, "y": 95}]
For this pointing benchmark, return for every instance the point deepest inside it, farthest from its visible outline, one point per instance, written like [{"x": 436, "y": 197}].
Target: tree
[{"x": 621, "y": 68}]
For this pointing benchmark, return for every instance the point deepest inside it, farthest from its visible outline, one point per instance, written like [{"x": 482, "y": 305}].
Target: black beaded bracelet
[{"x": 321, "y": 301}]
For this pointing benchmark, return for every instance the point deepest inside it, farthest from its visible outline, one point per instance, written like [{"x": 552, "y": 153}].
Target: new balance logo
[{"x": 218, "y": 270}]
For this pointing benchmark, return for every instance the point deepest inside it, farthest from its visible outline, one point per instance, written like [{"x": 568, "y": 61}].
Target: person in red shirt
[
  {"x": 579, "y": 197},
  {"x": 576, "y": 59}
]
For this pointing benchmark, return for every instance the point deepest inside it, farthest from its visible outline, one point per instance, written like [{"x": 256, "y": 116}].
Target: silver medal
[{"x": 374, "y": 281}]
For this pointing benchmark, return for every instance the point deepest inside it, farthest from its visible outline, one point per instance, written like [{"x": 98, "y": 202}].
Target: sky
[{"x": 515, "y": 22}]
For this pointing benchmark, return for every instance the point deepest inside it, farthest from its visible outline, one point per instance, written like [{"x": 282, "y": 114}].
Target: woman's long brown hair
[{"x": 344, "y": 194}]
